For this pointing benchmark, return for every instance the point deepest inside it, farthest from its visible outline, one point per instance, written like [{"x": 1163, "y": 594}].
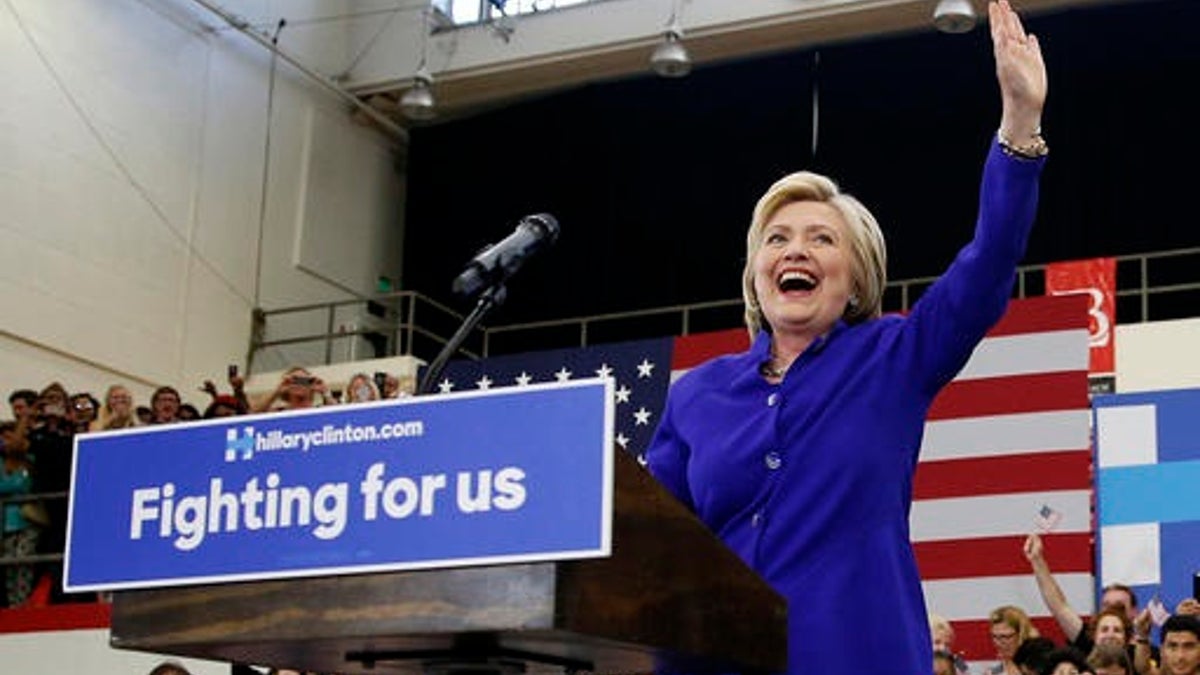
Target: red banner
[{"x": 1096, "y": 279}]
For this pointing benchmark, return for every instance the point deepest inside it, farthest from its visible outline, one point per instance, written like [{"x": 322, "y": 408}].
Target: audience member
[
  {"x": 1109, "y": 626},
  {"x": 144, "y": 414},
  {"x": 1189, "y": 606},
  {"x": 1065, "y": 661},
  {"x": 297, "y": 389},
  {"x": 1180, "y": 645},
  {"x": 84, "y": 408},
  {"x": 943, "y": 663},
  {"x": 1030, "y": 657},
  {"x": 187, "y": 413},
  {"x": 22, "y": 402},
  {"x": 399, "y": 387},
  {"x": 117, "y": 411},
  {"x": 50, "y": 450},
  {"x": 19, "y": 535},
  {"x": 1072, "y": 624},
  {"x": 223, "y": 405},
  {"x": 1010, "y": 626},
  {"x": 361, "y": 388},
  {"x": 164, "y": 405},
  {"x": 1110, "y": 659},
  {"x": 169, "y": 668}
]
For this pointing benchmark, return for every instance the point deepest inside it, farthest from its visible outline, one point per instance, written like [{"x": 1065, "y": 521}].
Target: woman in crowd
[
  {"x": 117, "y": 411},
  {"x": 1010, "y": 626},
  {"x": 1110, "y": 659},
  {"x": 20, "y": 535},
  {"x": 361, "y": 388},
  {"x": 297, "y": 389}
]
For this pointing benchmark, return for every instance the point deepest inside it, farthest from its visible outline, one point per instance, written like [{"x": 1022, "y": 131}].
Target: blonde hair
[
  {"x": 1016, "y": 619},
  {"x": 868, "y": 250},
  {"x": 105, "y": 420},
  {"x": 938, "y": 622}
]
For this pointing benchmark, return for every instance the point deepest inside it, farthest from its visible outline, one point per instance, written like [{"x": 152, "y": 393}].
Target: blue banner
[
  {"x": 1148, "y": 466},
  {"x": 501, "y": 476}
]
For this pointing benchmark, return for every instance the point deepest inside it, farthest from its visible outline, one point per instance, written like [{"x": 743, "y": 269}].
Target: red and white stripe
[{"x": 1010, "y": 434}]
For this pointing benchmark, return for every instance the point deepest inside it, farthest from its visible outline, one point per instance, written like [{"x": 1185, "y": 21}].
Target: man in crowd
[
  {"x": 1181, "y": 645},
  {"x": 22, "y": 402}
]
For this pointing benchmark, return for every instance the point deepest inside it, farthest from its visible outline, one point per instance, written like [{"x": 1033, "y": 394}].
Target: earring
[{"x": 854, "y": 300}]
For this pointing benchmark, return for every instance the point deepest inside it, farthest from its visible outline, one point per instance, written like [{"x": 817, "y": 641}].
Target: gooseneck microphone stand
[{"x": 492, "y": 296}]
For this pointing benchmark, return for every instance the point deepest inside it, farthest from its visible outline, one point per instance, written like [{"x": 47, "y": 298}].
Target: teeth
[{"x": 797, "y": 276}]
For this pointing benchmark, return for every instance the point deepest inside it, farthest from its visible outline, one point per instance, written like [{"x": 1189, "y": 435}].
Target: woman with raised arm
[{"x": 799, "y": 453}]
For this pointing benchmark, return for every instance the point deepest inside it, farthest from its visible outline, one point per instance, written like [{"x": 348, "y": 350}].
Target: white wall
[
  {"x": 132, "y": 162},
  {"x": 85, "y": 651},
  {"x": 1159, "y": 355}
]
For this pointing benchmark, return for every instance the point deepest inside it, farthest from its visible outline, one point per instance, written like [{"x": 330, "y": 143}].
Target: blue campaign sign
[
  {"x": 511, "y": 475},
  {"x": 1148, "y": 466}
]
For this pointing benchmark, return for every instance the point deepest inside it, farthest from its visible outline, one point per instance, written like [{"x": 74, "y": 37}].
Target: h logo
[{"x": 235, "y": 444}]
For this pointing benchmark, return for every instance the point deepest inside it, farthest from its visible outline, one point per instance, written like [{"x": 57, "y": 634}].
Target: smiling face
[
  {"x": 119, "y": 401},
  {"x": 803, "y": 270},
  {"x": 1110, "y": 630},
  {"x": 859, "y": 242},
  {"x": 1181, "y": 653}
]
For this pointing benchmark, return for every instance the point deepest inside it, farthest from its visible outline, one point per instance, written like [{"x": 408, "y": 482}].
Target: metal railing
[
  {"x": 398, "y": 328},
  {"x": 1144, "y": 281},
  {"x": 15, "y": 500}
]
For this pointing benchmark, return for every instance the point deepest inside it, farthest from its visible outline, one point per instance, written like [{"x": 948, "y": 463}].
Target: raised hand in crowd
[{"x": 298, "y": 388}]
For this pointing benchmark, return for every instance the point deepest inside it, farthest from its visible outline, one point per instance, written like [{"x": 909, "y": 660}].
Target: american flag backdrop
[{"x": 1006, "y": 453}]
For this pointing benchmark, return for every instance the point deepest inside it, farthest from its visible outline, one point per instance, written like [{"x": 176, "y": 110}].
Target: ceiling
[{"x": 465, "y": 92}]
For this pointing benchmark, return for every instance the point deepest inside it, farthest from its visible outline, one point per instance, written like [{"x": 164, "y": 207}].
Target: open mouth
[{"x": 797, "y": 281}]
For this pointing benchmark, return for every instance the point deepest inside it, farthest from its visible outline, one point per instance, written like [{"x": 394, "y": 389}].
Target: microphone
[{"x": 496, "y": 263}]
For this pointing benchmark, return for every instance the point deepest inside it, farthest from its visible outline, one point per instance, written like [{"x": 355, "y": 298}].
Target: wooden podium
[{"x": 670, "y": 598}]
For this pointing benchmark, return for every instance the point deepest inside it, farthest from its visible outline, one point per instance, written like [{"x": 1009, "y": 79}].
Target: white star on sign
[
  {"x": 641, "y": 417},
  {"x": 644, "y": 368},
  {"x": 445, "y": 386},
  {"x": 622, "y": 394},
  {"x": 523, "y": 379},
  {"x": 563, "y": 374},
  {"x": 484, "y": 382},
  {"x": 604, "y": 370},
  {"x": 623, "y": 440}
]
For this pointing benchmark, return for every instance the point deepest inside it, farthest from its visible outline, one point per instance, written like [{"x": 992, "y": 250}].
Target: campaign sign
[{"x": 511, "y": 475}]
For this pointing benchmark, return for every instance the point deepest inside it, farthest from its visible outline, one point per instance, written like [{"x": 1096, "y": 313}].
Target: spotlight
[
  {"x": 954, "y": 16},
  {"x": 670, "y": 58},
  {"x": 417, "y": 103}
]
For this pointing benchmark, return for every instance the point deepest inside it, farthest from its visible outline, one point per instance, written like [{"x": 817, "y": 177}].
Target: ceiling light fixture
[
  {"x": 670, "y": 57},
  {"x": 954, "y": 16},
  {"x": 418, "y": 103}
]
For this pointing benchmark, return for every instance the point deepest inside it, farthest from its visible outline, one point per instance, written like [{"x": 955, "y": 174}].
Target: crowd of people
[
  {"x": 37, "y": 445},
  {"x": 1118, "y": 640}
]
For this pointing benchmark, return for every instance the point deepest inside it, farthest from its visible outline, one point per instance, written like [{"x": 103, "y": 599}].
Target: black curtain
[{"x": 654, "y": 180}]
